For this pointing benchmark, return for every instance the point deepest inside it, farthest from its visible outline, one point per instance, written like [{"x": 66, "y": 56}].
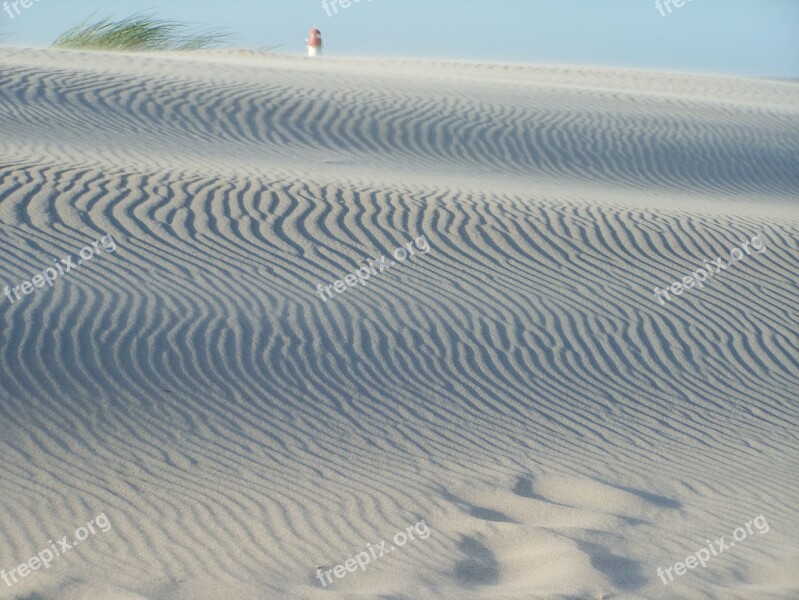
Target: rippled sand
[{"x": 519, "y": 387}]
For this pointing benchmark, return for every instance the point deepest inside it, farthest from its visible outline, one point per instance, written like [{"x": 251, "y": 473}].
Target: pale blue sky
[{"x": 748, "y": 37}]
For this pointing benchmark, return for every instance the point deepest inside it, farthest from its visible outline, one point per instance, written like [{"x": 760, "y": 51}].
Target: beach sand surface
[{"x": 517, "y": 391}]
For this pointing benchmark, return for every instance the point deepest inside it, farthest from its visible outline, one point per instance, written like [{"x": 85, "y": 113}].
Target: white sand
[{"x": 519, "y": 388}]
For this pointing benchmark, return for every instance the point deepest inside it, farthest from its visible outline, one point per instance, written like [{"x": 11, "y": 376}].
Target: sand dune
[{"x": 519, "y": 388}]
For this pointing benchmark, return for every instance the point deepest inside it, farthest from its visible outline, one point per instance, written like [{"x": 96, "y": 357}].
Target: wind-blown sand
[{"x": 519, "y": 388}]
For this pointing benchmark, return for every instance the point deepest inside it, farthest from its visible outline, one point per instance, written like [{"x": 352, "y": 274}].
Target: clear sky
[{"x": 745, "y": 37}]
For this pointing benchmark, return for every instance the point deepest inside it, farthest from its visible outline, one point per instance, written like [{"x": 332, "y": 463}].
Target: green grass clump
[{"x": 140, "y": 32}]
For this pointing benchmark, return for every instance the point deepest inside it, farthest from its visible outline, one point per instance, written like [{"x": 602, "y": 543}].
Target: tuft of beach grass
[{"x": 137, "y": 33}]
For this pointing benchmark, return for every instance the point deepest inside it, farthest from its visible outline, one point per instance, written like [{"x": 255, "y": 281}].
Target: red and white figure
[{"x": 314, "y": 43}]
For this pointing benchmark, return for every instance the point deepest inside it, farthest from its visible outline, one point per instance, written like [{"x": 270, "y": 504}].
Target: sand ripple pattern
[{"x": 238, "y": 431}]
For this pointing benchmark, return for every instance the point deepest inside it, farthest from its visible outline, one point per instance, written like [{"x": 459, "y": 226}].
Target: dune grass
[{"x": 137, "y": 33}]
